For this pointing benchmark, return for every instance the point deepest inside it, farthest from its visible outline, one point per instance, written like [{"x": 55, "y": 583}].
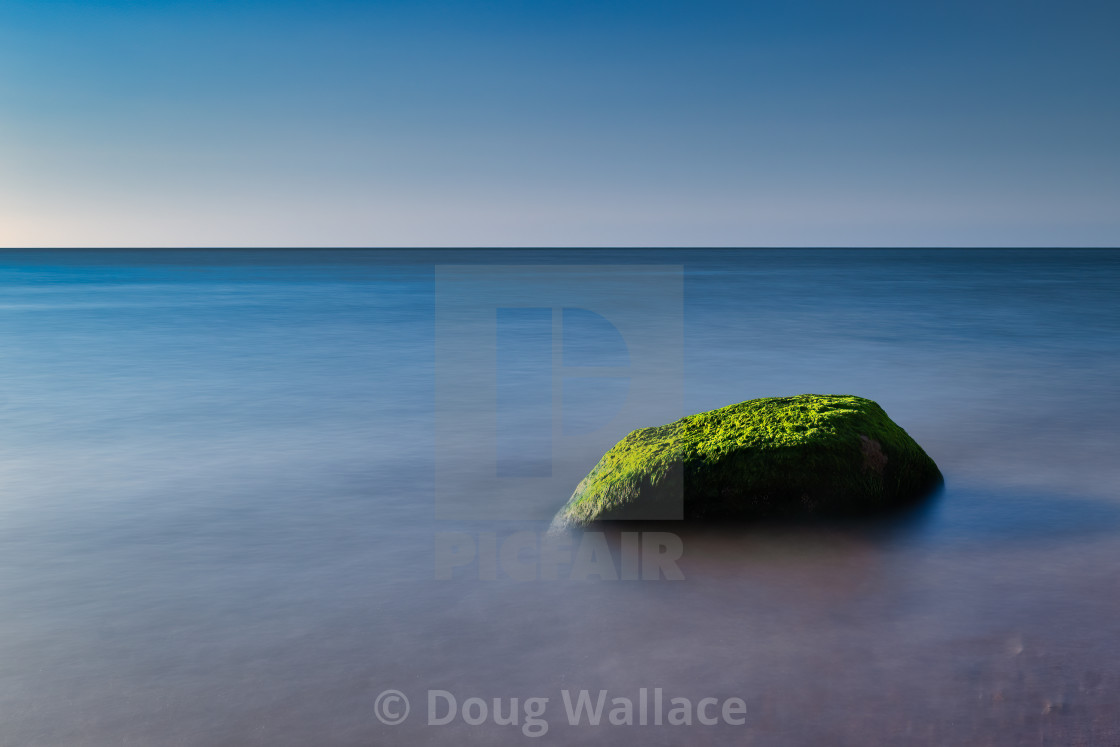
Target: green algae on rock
[{"x": 806, "y": 456}]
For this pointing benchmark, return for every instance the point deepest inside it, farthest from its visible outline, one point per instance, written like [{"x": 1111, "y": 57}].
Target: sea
[{"x": 303, "y": 497}]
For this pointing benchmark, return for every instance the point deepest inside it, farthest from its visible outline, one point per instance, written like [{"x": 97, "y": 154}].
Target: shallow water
[{"x": 226, "y": 479}]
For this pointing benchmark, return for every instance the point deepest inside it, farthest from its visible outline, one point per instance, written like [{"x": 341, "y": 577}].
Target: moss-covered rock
[{"x": 811, "y": 455}]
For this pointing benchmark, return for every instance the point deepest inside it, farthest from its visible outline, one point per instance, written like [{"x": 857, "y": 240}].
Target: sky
[{"x": 549, "y": 123}]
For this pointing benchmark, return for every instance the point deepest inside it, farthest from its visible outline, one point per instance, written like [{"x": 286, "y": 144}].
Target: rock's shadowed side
[{"x": 810, "y": 455}]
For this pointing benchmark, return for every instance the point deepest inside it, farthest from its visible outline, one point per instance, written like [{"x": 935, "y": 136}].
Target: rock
[{"x": 806, "y": 456}]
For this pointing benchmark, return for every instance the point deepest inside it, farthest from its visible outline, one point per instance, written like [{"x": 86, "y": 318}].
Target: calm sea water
[{"x": 220, "y": 519}]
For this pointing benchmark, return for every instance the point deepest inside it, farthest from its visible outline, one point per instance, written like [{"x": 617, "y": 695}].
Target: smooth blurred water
[{"x": 217, "y": 495}]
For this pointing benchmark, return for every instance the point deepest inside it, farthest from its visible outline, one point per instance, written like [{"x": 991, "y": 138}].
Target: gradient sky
[{"x": 539, "y": 122}]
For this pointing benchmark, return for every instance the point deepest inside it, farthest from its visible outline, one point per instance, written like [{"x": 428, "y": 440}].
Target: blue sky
[{"x": 513, "y": 122}]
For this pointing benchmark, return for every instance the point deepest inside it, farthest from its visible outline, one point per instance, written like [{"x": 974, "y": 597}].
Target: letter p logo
[{"x": 539, "y": 370}]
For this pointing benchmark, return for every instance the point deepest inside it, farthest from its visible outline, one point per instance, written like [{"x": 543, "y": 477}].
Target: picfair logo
[{"x": 539, "y": 370}]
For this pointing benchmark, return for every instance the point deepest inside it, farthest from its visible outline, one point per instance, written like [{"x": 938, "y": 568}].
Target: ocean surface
[{"x": 244, "y": 493}]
